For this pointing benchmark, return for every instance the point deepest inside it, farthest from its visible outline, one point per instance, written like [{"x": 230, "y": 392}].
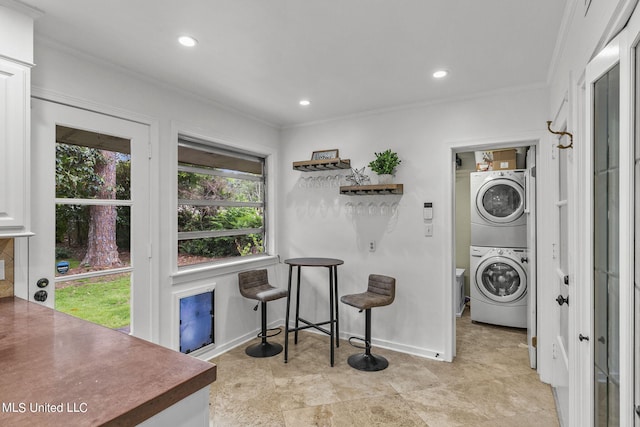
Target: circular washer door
[
  {"x": 500, "y": 201},
  {"x": 501, "y": 279}
]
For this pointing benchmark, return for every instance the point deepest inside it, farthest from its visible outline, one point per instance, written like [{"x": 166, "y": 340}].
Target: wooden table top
[
  {"x": 314, "y": 262},
  {"x": 63, "y": 363}
]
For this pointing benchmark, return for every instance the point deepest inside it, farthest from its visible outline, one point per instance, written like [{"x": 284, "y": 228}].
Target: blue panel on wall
[{"x": 196, "y": 321}]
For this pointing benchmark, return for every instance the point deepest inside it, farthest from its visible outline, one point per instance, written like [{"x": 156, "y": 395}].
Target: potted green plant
[{"x": 384, "y": 165}]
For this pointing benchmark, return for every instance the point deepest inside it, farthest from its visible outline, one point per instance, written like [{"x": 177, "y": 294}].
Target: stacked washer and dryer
[{"x": 499, "y": 256}]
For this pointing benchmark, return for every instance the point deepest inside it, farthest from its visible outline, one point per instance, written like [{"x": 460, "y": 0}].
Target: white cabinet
[{"x": 14, "y": 148}]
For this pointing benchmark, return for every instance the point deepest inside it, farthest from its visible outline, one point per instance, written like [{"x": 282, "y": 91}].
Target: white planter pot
[{"x": 385, "y": 179}]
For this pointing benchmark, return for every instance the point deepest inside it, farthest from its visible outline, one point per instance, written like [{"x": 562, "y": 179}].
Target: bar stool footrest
[
  {"x": 361, "y": 347},
  {"x": 269, "y": 334}
]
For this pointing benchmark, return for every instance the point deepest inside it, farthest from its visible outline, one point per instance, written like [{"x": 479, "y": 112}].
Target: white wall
[
  {"x": 60, "y": 74},
  {"x": 423, "y": 136}
]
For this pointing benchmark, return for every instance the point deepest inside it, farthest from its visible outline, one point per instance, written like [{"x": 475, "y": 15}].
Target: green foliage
[
  {"x": 76, "y": 178},
  {"x": 253, "y": 247},
  {"x": 232, "y": 218},
  {"x": 123, "y": 192},
  {"x": 385, "y": 162},
  {"x": 75, "y": 171},
  {"x": 103, "y": 302},
  {"x": 195, "y": 186},
  {"x": 62, "y": 253}
]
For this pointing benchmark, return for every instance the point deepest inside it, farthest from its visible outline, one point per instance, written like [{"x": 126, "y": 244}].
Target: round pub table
[{"x": 332, "y": 265}]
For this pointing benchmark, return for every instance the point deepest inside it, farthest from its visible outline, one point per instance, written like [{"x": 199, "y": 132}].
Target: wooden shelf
[
  {"x": 362, "y": 190},
  {"x": 322, "y": 165}
]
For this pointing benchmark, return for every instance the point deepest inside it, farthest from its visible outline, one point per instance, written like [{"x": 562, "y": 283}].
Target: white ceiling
[{"x": 347, "y": 56}]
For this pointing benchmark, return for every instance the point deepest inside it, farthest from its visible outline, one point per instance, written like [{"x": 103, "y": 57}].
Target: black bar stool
[
  {"x": 381, "y": 291},
  {"x": 255, "y": 285}
]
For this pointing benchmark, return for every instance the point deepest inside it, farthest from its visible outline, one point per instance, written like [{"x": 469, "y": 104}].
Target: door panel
[
  {"x": 562, "y": 291},
  {"x": 636, "y": 293},
  {"x": 48, "y": 120},
  {"x": 532, "y": 294},
  {"x": 606, "y": 368}
]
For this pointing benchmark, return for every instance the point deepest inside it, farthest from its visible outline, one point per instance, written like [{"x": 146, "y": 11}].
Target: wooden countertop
[{"x": 96, "y": 376}]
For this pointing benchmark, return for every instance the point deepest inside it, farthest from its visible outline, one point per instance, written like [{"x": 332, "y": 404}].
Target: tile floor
[{"x": 488, "y": 384}]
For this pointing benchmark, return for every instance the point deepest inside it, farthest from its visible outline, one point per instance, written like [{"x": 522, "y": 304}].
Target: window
[
  {"x": 93, "y": 226},
  {"x": 221, "y": 199}
]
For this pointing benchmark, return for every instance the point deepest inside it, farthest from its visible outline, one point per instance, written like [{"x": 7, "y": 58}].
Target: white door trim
[{"x": 517, "y": 140}]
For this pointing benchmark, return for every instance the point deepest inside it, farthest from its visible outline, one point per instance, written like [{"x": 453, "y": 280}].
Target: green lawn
[{"x": 98, "y": 301}]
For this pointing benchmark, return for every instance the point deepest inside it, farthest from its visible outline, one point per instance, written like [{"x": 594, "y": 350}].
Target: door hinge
[{"x": 638, "y": 410}]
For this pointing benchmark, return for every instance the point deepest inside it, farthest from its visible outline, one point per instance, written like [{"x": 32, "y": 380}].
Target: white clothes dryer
[
  {"x": 499, "y": 286},
  {"x": 498, "y": 217}
]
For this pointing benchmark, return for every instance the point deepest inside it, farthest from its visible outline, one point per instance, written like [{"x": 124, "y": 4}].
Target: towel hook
[{"x": 562, "y": 147}]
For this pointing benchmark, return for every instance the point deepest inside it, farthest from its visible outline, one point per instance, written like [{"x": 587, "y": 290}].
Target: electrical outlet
[{"x": 372, "y": 246}]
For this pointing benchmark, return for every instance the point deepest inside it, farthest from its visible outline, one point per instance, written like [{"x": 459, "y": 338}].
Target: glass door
[
  {"x": 636, "y": 281},
  {"x": 606, "y": 266},
  {"x": 90, "y": 255},
  {"x": 608, "y": 263}
]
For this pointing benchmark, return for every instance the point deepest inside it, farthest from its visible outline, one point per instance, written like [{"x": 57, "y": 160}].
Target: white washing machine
[
  {"x": 499, "y": 286},
  {"x": 498, "y": 217}
]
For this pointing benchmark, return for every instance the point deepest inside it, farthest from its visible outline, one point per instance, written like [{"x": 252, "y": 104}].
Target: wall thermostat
[{"x": 428, "y": 211}]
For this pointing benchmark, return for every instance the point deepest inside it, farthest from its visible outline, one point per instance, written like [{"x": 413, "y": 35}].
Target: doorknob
[
  {"x": 583, "y": 338},
  {"x": 40, "y": 296},
  {"x": 562, "y": 300}
]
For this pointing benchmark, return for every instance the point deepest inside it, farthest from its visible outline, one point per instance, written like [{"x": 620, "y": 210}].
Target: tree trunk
[{"x": 102, "y": 250}]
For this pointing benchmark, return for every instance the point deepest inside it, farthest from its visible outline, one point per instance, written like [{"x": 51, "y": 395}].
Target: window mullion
[
  {"x": 221, "y": 203},
  {"x": 189, "y": 235}
]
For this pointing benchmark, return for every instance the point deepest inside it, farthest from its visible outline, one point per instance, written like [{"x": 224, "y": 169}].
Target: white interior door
[
  {"x": 560, "y": 224},
  {"x": 636, "y": 281},
  {"x": 532, "y": 292},
  {"x": 51, "y": 124}
]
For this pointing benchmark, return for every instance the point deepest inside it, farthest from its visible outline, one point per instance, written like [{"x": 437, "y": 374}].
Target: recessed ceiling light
[
  {"x": 440, "y": 74},
  {"x": 187, "y": 41},
  {"x": 305, "y": 102}
]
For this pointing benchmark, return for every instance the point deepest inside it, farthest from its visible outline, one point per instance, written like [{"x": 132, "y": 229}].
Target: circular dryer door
[
  {"x": 501, "y": 279},
  {"x": 500, "y": 201}
]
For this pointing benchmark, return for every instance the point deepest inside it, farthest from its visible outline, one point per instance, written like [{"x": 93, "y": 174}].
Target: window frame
[{"x": 217, "y": 146}]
